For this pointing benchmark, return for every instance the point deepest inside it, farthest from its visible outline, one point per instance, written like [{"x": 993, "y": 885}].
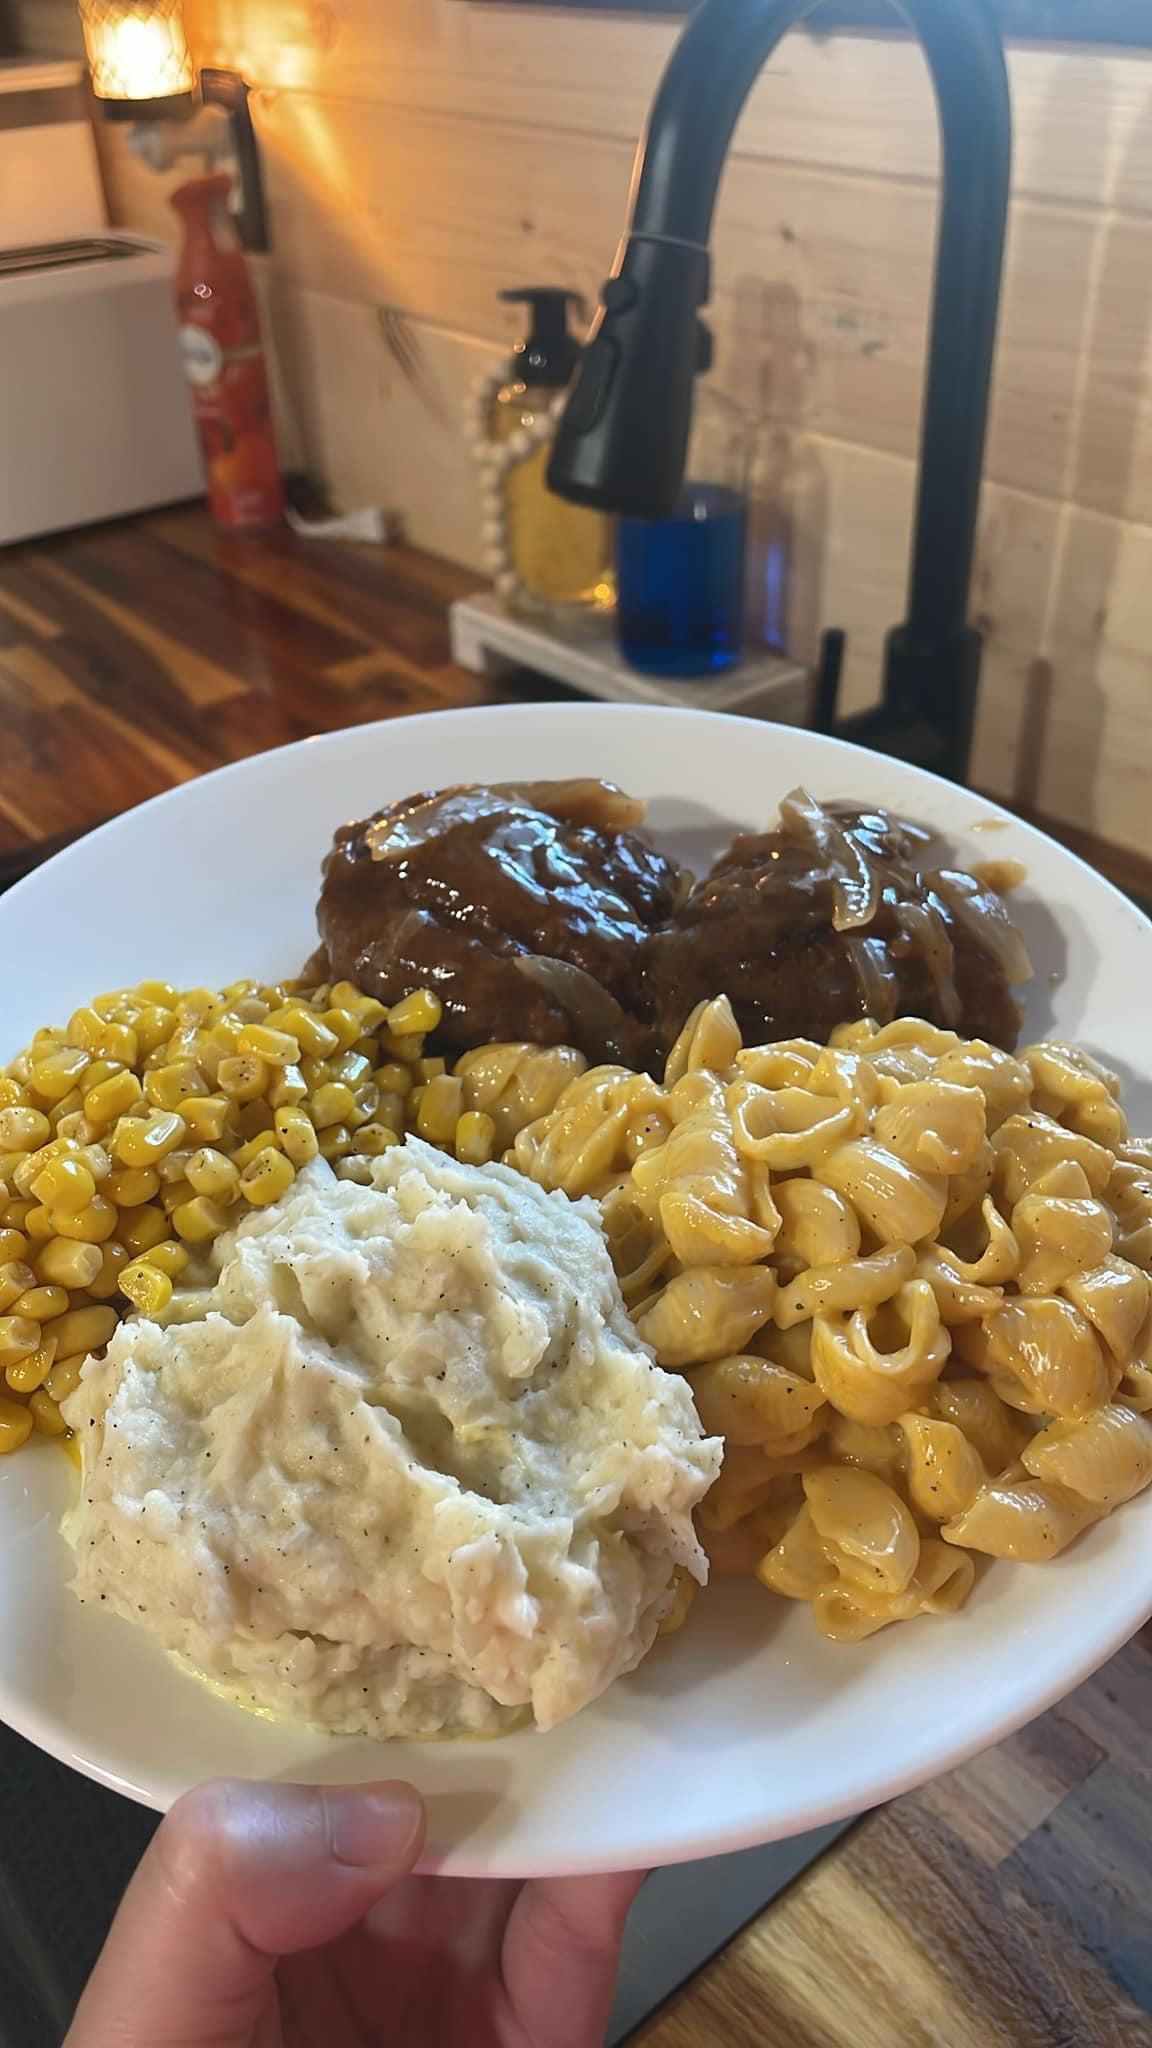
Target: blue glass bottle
[{"x": 680, "y": 580}]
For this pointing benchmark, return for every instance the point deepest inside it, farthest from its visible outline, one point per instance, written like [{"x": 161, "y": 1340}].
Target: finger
[
  {"x": 236, "y": 1876},
  {"x": 562, "y": 1953}
]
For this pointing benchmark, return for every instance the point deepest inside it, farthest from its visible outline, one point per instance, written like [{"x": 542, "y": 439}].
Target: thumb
[{"x": 236, "y": 1876}]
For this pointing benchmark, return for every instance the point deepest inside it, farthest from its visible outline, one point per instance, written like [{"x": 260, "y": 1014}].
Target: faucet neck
[{"x": 664, "y": 257}]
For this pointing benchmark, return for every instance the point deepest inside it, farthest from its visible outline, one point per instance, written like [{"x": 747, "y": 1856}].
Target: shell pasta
[{"x": 907, "y": 1276}]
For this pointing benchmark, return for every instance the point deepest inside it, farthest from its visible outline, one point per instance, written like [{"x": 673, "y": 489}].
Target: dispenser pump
[{"x": 548, "y": 353}]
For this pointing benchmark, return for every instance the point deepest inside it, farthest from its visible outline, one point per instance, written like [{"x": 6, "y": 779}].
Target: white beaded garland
[{"x": 494, "y": 460}]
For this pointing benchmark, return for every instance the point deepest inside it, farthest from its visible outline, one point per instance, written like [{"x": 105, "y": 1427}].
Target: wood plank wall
[{"x": 422, "y": 153}]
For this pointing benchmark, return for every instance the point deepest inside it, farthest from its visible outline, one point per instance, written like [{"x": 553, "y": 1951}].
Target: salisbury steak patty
[{"x": 523, "y": 906}]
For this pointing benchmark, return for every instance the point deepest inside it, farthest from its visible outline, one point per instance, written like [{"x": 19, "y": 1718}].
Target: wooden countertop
[
  {"x": 140, "y": 654},
  {"x": 1006, "y": 1906}
]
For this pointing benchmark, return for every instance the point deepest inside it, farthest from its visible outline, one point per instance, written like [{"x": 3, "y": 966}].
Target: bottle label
[{"x": 203, "y": 356}]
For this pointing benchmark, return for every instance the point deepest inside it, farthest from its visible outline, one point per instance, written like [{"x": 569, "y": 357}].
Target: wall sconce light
[
  {"x": 142, "y": 71},
  {"x": 139, "y": 59}
]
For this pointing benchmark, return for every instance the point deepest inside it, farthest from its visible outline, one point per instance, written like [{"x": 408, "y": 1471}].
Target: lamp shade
[{"x": 138, "y": 57}]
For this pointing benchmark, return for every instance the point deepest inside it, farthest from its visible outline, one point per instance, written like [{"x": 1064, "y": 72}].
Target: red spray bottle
[{"x": 224, "y": 360}]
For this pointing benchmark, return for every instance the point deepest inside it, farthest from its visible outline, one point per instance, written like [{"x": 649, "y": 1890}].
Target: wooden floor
[{"x": 1008, "y": 1906}]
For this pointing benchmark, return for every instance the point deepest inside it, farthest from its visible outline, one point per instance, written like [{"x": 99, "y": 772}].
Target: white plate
[{"x": 747, "y": 1726}]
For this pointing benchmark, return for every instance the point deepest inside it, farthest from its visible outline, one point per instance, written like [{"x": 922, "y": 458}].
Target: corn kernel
[
  {"x": 242, "y": 1077},
  {"x": 67, "y": 1105},
  {"x": 131, "y": 1186},
  {"x": 15, "y": 1279},
  {"x": 11, "y": 1093},
  {"x": 393, "y": 1078},
  {"x": 104, "y": 1284},
  {"x": 173, "y": 1194},
  {"x": 212, "y": 1173},
  {"x": 25, "y": 1374},
  {"x": 278, "y": 1048},
  {"x": 311, "y": 1032},
  {"x": 175, "y": 1166},
  {"x": 332, "y": 1104},
  {"x": 269, "y": 1176},
  {"x": 96, "y": 1159},
  {"x": 429, "y": 1070},
  {"x": 153, "y": 1028},
  {"x": 287, "y": 1088},
  {"x": 421, "y": 1011},
  {"x": 64, "y": 1184},
  {"x": 372, "y": 1139},
  {"x": 86, "y": 1029},
  {"x": 353, "y": 1067},
  {"x": 74, "y": 1124},
  {"x": 198, "y": 1004},
  {"x": 40, "y": 1304},
  {"x": 18, "y": 1335},
  {"x": 206, "y": 1117},
  {"x": 16, "y": 1213},
  {"x": 475, "y": 1138},
  {"x": 169, "y": 1086},
  {"x": 263, "y": 1141},
  {"x": 13, "y": 1245},
  {"x": 141, "y": 1228},
  {"x": 46, "y": 1415},
  {"x": 199, "y": 1220},
  {"x": 112, "y": 1098},
  {"x": 366, "y": 1101},
  {"x": 441, "y": 1106},
  {"x": 249, "y": 1119},
  {"x": 391, "y": 1110},
  {"x": 30, "y": 1165},
  {"x": 23, "y": 1130},
  {"x": 91, "y": 1225},
  {"x": 344, "y": 1026},
  {"x": 335, "y": 1142},
  {"x": 16, "y": 1425},
  {"x": 406, "y": 1047},
  {"x": 370, "y": 1013},
  {"x": 66, "y": 1262},
  {"x": 168, "y": 1257},
  {"x": 147, "y": 1288},
  {"x": 191, "y": 1305},
  {"x": 39, "y": 1224},
  {"x": 297, "y": 1136},
  {"x": 56, "y": 1075},
  {"x": 101, "y": 1070},
  {"x": 143, "y": 1141},
  {"x": 359, "y": 1170},
  {"x": 161, "y": 992},
  {"x": 84, "y": 1329},
  {"x": 64, "y": 1377},
  {"x": 117, "y": 1042}
]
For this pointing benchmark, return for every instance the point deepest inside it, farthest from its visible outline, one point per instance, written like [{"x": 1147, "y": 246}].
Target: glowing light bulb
[{"x": 137, "y": 52}]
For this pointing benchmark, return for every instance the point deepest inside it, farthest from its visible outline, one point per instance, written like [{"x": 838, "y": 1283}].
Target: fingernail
[{"x": 373, "y": 1824}]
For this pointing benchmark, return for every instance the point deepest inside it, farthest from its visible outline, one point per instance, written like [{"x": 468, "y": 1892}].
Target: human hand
[{"x": 278, "y": 1916}]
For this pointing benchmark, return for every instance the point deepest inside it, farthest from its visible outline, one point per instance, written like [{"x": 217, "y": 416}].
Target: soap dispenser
[{"x": 550, "y": 559}]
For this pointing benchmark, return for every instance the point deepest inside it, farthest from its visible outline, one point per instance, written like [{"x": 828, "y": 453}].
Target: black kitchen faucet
[{"x": 622, "y": 440}]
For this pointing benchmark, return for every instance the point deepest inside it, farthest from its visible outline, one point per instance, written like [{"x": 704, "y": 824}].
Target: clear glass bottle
[
  {"x": 560, "y": 553},
  {"x": 680, "y": 579}
]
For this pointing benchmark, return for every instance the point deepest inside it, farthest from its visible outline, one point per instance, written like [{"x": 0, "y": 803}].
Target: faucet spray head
[{"x": 622, "y": 440}]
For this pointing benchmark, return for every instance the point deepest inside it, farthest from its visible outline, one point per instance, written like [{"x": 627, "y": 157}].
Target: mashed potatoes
[{"x": 413, "y": 1471}]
